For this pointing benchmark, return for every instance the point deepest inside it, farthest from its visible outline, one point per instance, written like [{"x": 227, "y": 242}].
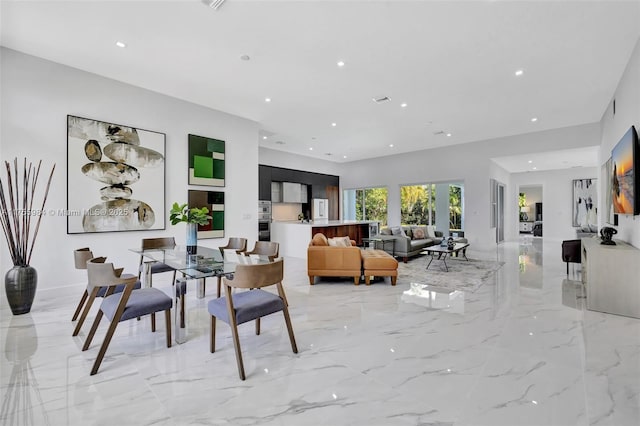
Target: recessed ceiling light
[
  {"x": 267, "y": 99},
  {"x": 264, "y": 137},
  {"x": 534, "y": 119},
  {"x": 334, "y": 124},
  {"x": 245, "y": 57},
  {"x": 341, "y": 63},
  {"x": 448, "y": 135},
  {"x": 519, "y": 72},
  {"x": 390, "y": 145},
  {"x": 311, "y": 148},
  {"x": 530, "y": 161},
  {"x": 344, "y": 156},
  {"x": 403, "y": 105},
  {"x": 535, "y": 168},
  {"x": 120, "y": 44}
]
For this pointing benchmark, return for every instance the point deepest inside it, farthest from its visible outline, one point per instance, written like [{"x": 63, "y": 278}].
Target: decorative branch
[{"x": 15, "y": 216}]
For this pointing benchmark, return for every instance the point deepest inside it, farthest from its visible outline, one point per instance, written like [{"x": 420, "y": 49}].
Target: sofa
[
  {"x": 409, "y": 240},
  {"x": 324, "y": 260},
  {"x": 340, "y": 257}
]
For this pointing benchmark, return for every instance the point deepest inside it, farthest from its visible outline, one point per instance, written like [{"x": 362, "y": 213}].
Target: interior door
[{"x": 500, "y": 214}]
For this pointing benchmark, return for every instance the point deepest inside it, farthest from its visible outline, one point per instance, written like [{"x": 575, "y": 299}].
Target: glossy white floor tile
[{"x": 521, "y": 350}]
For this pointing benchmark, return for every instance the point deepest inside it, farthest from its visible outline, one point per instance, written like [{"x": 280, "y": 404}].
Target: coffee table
[{"x": 444, "y": 251}]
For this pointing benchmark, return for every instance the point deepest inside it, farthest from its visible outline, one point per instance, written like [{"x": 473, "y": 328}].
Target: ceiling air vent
[
  {"x": 439, "y": 132},
  {"x": 381, "y": 99}
]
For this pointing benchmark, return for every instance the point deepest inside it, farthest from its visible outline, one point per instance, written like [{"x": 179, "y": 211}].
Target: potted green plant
[
  {"x": 193, "y": 217},
  {"x": 17, "y": 210}
]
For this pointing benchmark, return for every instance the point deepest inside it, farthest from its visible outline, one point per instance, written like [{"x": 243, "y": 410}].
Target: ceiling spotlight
[
  {"x": 265, "y": 137},
  {"x": 120, "y": 44},
  {"x": 535, "y": 168},
  {"x": 341, "y": 64},
  {"x": 403, "y": 105},
  {"x": 534, "y": 119},
  {"x": 213, "y": 4},
  {"x": 530, "y": 161},
  {"x": 344, "y": 156},
  {"x": 311, "y": 148},
  {"x": 390, "y": 145},
  {"x": 267, "y": 99},
  {"x": 519, "y": 72},
  {"x": 334, "y": 124},
  {"x": 448, "y": 135}
]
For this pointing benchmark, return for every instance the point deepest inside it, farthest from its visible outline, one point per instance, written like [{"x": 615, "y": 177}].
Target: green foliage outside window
[{"x": 375, "y": 205}]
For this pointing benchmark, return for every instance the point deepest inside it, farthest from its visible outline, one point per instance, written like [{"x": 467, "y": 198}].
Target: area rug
[{"x": 463, "y": 275}]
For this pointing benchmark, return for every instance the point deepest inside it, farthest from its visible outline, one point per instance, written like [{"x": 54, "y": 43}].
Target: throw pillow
[
  {"x": 431, "y": 231},
  {"x": 340, "y": 242},
  {"x": 396, "y": 230},
  {"x": 418, "y": 234},
  {"x": 319, "y": 240},
  {"x": 385, "y": 231},
  {"x": 408, "y": 232}
]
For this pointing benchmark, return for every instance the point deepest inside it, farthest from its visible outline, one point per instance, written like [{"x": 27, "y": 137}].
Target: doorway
[{"x": 530, "y": 210}]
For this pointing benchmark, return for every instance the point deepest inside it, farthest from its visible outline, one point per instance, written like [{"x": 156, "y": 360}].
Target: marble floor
[{"x": 520, "y": 350}]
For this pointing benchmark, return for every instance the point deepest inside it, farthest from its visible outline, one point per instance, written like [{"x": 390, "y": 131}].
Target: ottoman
[{"x": 379, "y": 263}]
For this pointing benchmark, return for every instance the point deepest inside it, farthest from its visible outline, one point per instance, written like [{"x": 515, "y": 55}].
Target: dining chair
[
  {"x": 235, "y": 243},
  {"x": 157, "y": 267},
  {"x": 571, "y": 252},
  {"x": 128, "y": 304},
  {"x": 251, "y": 304},
  {"x": 270, "y": 249},
  {"x": 82, "y": 257}
]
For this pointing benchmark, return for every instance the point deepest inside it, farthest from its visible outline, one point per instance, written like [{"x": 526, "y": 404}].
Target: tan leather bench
[{"x": 378, "y": 263}]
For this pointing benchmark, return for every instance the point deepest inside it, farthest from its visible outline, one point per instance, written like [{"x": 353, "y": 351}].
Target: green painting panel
[
  {"x": 203, "y": 167},
  {"x": 217, "y": 221},
  {"x": 214, "y": 145},
  {"x": 218, "y": 169}
]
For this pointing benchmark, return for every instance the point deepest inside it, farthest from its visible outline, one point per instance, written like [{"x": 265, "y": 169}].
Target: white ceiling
[{"x": 452, "y": 62}]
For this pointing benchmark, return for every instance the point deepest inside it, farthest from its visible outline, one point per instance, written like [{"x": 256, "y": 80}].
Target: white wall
[
  {"x": 627, "y": 97},
  {"x": 37, "y": 95},
  {"x": 467, "y": 163},
  {"x": 557, "y": 196}
]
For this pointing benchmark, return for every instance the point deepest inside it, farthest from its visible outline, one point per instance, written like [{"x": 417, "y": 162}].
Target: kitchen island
[{"x": 294, "y": 236}]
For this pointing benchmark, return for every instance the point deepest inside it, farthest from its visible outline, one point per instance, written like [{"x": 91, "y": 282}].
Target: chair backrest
[
  {"x": 154, "y": 243},
  {"x": 257, "y": 275},
  {"x": 103, "y": 274},
  {"x": 81, "y": 256},
  {"x": 235, "y": 243},
  {"x": 266, "y": 248}
]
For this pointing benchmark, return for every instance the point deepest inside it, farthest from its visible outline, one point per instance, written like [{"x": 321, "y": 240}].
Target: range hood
[{"x": 288, "y": 192}]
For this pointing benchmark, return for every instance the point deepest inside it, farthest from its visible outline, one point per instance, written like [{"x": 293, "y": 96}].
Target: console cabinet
[
  {"x": 610, "y": 275},
  {"x": 526, "y": 226}
]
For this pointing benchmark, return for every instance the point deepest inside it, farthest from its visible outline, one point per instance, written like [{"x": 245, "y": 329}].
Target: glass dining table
[{"x": 206, "y": 262}]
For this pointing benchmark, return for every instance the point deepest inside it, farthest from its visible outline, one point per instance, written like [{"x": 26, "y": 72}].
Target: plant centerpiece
[
  {"x": 17, "y": 215},
  {"x": 193, "y": 217}
]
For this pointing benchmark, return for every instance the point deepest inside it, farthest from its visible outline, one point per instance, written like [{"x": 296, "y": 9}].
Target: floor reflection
[{"x": 530, "y": 262}]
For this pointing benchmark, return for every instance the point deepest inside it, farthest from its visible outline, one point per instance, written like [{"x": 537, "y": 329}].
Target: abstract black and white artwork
[
  {"x": 115, "y": 177},
  {"x": 585, "y": 204}
]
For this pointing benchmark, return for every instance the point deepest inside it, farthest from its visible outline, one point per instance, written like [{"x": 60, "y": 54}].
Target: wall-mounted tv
[{"x": 625, "y": 184}]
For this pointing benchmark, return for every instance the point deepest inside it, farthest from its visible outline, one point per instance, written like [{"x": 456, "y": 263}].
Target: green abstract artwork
[
  {"x": 214, "y": 201},
  {"x": 206, "y": 161}
]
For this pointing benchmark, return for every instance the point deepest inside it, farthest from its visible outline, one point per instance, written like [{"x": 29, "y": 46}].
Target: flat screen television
[{"x": 625, "y": 174}]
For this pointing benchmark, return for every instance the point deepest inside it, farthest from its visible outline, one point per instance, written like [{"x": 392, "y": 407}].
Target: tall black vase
[{"x": 20, "y": 283}]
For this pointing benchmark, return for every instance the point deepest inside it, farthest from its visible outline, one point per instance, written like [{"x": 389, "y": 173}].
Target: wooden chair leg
[
  {"x": 105, "y": 345},
  {"x": 167, "y": 322},
  {"x": 356, "y": 280},
  {"x": 311, "y": 280},
  {"x": 212, "y": 342},
  {"x": 292, "y": 338},
  {"x": 92, "y": 332},
  {"x": 173, "y": 281},
  {"x": 153, "y": 323},
  {"x": 87, "y": 307},
  {"x": 236, "y": 345},
  {"x": 393, "y": 280},
  {"x": 257, "y": 326},
  {"x": 219, "y": 285},
  {"x": 79, "y": 308}
]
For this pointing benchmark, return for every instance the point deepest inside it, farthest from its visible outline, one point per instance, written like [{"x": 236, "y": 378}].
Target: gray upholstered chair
[
  {"x": 157, "y": 267},
  {"x": 123, "y": 306},
  {"x": 81, "y": 258},
  {"x": 250, "y": 305},
  {"x": 265, "y": 248}
]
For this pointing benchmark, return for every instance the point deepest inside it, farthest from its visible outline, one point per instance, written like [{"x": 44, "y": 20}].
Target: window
[
  {"x": 440, "y": 204},
  {"x": 365, "y": 204}
]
